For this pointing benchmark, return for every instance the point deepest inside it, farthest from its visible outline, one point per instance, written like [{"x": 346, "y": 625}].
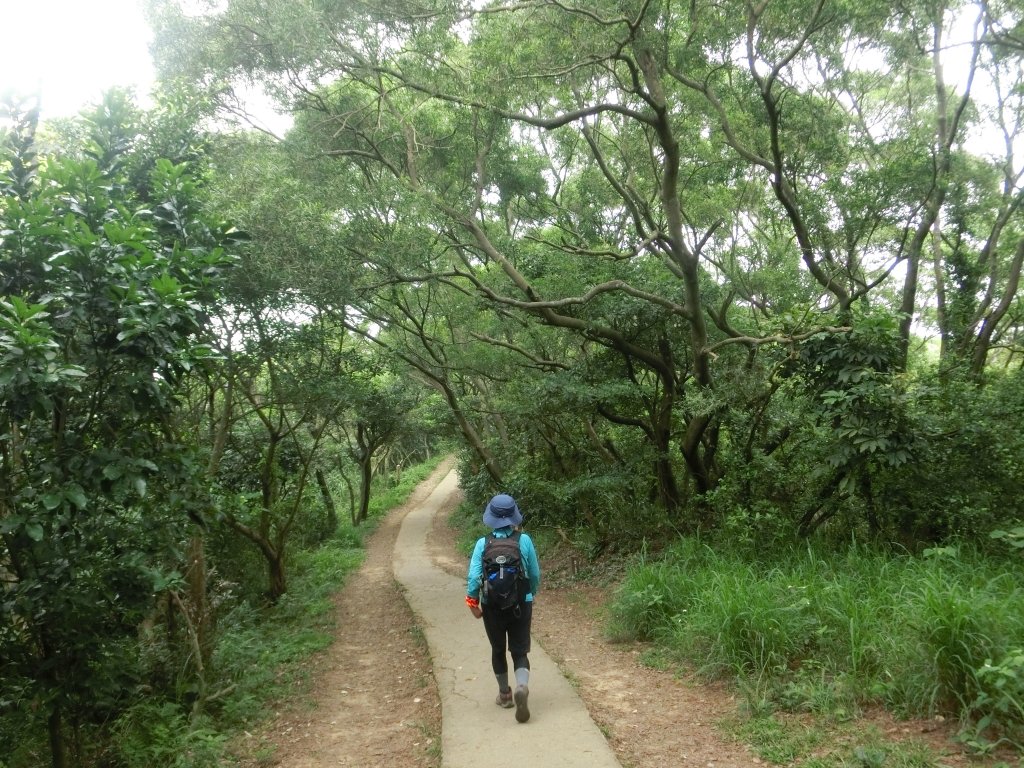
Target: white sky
[{"x": 71, "y": 51}]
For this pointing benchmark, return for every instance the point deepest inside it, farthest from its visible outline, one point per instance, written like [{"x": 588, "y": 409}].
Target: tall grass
[{"x": 940, "y": 633}]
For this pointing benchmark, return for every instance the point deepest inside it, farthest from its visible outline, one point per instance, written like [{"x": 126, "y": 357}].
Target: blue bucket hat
[{"x": 501, "y": 511}]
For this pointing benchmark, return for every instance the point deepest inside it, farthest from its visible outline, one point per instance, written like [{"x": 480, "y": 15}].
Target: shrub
[{"x": 154, "y": 733}]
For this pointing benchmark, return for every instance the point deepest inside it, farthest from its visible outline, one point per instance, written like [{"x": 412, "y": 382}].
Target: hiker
[{"x": 504, "y": 575}]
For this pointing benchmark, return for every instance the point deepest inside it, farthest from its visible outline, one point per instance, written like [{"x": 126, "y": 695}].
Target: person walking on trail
[{"x": 504, "y": 576}]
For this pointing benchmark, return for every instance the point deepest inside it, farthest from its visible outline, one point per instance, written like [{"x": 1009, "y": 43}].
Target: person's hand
[{"x": 475, "y": 610}]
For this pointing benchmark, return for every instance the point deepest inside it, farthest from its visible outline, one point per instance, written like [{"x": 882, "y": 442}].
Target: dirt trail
[{"x": 373, "y": 697}]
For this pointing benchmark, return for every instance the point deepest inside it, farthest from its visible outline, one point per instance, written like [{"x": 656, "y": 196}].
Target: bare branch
[
  {"x": 758, "y": 341},
  {"x": 539, "y": 362}
]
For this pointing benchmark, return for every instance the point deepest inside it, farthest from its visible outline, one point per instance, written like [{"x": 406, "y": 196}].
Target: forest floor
[{"x": 371, "y": 699}]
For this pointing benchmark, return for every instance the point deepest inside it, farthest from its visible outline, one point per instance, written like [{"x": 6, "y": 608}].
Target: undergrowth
[
  {"x": 941, "y": 634},
  {"x": 262, "y": 653}
]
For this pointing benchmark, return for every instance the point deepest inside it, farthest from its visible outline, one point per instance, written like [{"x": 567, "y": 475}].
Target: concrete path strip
[{"x": 474, "y": 731}]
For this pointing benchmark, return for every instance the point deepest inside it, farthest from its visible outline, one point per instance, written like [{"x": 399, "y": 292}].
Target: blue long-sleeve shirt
[{"x": 527, "y": 553}]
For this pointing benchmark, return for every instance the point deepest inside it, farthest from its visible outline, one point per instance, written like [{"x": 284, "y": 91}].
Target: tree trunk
[
  {"x": 276, "y": 577},
  {"x": 688, "y": 264},
  {"x": 58, "y": 749},
  {"x": 947, "y": 125},
  {"x": 199, "y": 606},
  {"x": 983, "y": 343},
  {"x": 668, "y": 489},
  {"x": 274, "y": 556},
  {"x": 945, "y": 335},
  {"x": 908, "y": 304},
  {"x": 813, "y": 518},
  {"x": 365, "y": 478},
  {"x": 332, "y": 512},
  {"x": 870, "y": 510}
]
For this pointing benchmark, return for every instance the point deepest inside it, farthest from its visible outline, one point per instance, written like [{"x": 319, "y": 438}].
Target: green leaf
[
  {"x": 113, "y": 471},
  {"x": 10, "y": 524},
  {"x": 76, "y": 496},
  {"x": 165, "y": 285}
]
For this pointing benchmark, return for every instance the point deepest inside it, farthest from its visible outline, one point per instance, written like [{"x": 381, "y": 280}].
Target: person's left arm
[{"x": 531, "y": 562}]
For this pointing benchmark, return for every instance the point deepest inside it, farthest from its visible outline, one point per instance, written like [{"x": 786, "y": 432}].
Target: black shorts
[{"x": 511, "y": 626}]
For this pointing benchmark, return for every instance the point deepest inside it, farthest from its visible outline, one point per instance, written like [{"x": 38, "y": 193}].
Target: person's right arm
[{"x": 474, "y": 579}]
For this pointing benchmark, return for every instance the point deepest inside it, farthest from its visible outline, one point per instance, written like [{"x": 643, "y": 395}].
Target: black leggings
[{"x": 513, "y": 625}]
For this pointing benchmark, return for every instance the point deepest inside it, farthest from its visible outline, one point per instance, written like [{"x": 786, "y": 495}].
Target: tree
[
  {"x": 379, "y": 406},
  {"x": 277, "y": 400},
  {"x": 297, "y": 378},
  {"x": 105, "y": 290},
  {"x": 684, "y": 194}
]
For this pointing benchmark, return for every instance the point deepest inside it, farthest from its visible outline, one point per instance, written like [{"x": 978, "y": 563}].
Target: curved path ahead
[{"x": 474, "y": 732}]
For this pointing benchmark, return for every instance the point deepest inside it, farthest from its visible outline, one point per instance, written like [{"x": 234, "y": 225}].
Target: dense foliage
[
  {"x": 108, "y": 272},
  {"x": 672, "y": 267},
  {"x": 156, "y": 409}
]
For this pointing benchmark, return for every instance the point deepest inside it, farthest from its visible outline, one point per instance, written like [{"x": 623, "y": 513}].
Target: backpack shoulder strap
[{"x": 489, "y": 539}]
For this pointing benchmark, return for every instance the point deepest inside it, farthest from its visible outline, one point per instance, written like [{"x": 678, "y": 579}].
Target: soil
[{"x": 372, "y": 699}]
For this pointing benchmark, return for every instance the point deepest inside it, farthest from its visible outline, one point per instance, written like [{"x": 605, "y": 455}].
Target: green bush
[
  {"x": 154, "y": 733},
  {"x": 656, "y": 594},
  {"x": 997, "y": 712}
]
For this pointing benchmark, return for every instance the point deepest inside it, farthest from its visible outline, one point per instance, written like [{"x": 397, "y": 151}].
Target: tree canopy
[{"x": 720, "y": 233}]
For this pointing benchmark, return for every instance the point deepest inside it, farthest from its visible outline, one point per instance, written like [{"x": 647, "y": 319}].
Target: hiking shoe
[
  {"x": 505, "y": 700},
  {"x": 522, "y": 711}
]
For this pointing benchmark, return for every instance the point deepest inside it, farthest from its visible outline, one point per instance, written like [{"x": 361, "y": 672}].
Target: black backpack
[{"x": 505, "y": 583}]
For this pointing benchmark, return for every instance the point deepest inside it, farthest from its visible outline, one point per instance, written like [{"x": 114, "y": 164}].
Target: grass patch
[
  {"x": 786, "y": 740},
  {"x": 658, "y": 657},
  {"x": 776, "y": 741},
  {"x": 826, "y": 633}
]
